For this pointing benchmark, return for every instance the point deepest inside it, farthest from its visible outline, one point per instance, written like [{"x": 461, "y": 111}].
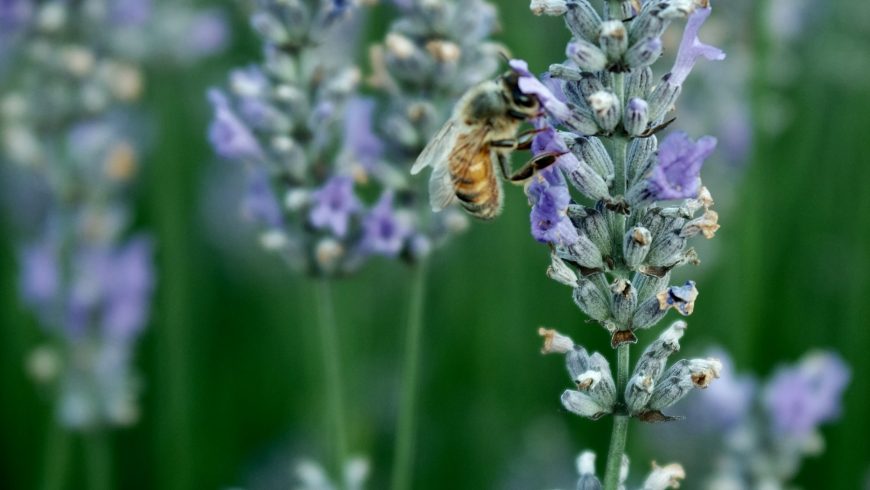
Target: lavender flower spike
[
  {"x": 677, "y": 173},
  {"x": 691, "y": 48}
]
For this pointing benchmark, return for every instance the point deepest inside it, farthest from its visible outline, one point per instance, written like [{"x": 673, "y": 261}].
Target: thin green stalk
[
  {"x": 620, "y": 423},
  {"x": 332, "y": 371},
  {"x": 57, "y": 452},
  {"x": 99, "y": 460},
  {"x": 404, "y": 448}
]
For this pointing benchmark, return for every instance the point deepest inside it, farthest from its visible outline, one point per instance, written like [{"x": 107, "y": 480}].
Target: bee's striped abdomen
[{"x": 474, "y": 179}]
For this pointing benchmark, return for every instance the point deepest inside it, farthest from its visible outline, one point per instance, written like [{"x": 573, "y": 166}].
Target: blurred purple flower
[
  {"x": 361, "y": 143},
  {"x": 800, "y": 398},
  {"x": 14, "y": 14},
  {"x": 130, "y": 13},
  {"x": 383, "y": 232},
  {"x": 677, "y": 175},
  {"x": 249, "y": 81},
  {"x": 259, "y": 204},
  {"x": 229, "y": 136},
  {"x": 691, "y": 48},
  {"x": 207, "y": 34},
  {"x": 333, "y": 205}
]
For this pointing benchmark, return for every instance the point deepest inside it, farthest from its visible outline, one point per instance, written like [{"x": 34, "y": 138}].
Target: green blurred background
[{"x": 229, "y": 360}]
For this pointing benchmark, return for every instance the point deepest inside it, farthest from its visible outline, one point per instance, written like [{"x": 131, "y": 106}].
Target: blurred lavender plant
[
  {"x": 66, "y": 114},
  {"x": 768, "y": 426},
  {"x": 617, "y": 251},
  {"x": 432, "y": 54}
]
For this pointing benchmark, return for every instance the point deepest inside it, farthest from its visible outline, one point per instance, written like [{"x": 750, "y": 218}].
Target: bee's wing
[
  {"x": 438, "y": 149},
  {"x": 441, "y": 191}
]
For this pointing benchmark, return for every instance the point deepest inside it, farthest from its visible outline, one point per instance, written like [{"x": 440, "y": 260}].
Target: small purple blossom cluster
[
  {"x": 327, "y": 167},
  {"x": 768, "y": 426},
  {"x": 67, "y": 122},
  {"x": 307, "y": 140}
]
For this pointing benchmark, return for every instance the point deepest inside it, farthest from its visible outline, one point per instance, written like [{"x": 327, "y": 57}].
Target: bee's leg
[
  {"x": 511, "y": 144},
  {"x": 524, "y": 139},
  {"x": 517, "y": 114},
  {"x": 652, "y": 131},
  {"x": 536, "y": 164}
]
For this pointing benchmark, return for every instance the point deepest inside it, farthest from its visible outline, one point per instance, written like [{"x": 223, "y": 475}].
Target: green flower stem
[
  {"x": 99, "y": 460},
  {"x": 404, "y": 447},
  {"x": 332, "y": 370},
  {"x": 57, "y": 453},
  {"x": 620, "y": 423}
]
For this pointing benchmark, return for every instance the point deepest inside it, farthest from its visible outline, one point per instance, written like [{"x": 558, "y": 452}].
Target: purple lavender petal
[
  {"x": 14, "y": 15},
  {"x": 39, "y": 274},
  {"x": 229, "y": 136},
  {"x": 800, "y": 398},
  {"x": 677, "y": 175},
  {"x": 383, "y": 232},
  {"x": 691, "y": 48},
  {"x": 129, "y": 282},
  {"x": 361, "y": 143},
  {"x": 549, "y": 196},
  {"x": 259, "y": 204},
  {"x": 334, "y": 203},
  {"x": 530, "y": 85},
  {"x": 207, "y": 34},
  {"x": 130, "y": 13}
]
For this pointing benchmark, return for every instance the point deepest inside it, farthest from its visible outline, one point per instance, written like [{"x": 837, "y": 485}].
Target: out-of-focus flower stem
[
  {"x": 57, "y": 452},
  {"x": 404, "y": 448},
  {"x": 332, "y": 371},
  {"x": 620, "y": 423},
  {"x": 99, "y": 459}
]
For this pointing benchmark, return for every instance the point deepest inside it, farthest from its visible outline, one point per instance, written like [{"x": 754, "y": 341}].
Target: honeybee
[{"x": 481, "y": 133}]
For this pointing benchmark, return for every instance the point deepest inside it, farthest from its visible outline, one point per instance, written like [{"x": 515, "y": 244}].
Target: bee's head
[{"x": 518, "y": 101}]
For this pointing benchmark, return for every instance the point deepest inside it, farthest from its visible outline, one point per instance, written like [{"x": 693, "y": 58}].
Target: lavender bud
[
  {"x": 548, "y": 7},
  {"x": 583, "y": 405},
  {"x": 604, "y": 390},
  {"x": 636, "y": 117},
  {"x": 595, "y": 226},
  {"x": 560, "y": 272},
  {"x": 648, "y": 314},
  {"x": 586, "y": 470},
  {"x": 591, "y": 300},
  {"x": 606, "y": 109},
  {"x": 564, "y": 72},
  {"x": 578, "y": 91},
  {"x": 662, "y": 99},
  {"x": 635, "y": 246},
  {"x": 624, "y": 301},
  {"x": 664, "y": 477},
  {"x": 582, "y": 20},
  {"x": 619, "y": 9},
  {"x": 648, "y": 286},
  {"x": 707, "y": 224},
  {"x": 644, "y": 53},
  {"x": 650, "y": 366},
  {"x": 639, "y": 83},
  {"x": 666, "y": 249},
  {"x": 554, "y": 342},
  {"x": 270, "y": 28},
  {"x": 641, "y": 158},
  {"x": 593, "y": 152},
  {"x": 681, "y": 378},
  {"x": 681, "y": 298},
  {"x": 577, "y": 361},
  {"x": 614, "y": 39},
  {"x": 589, "y": 182},
  {"x": 585, "y": 253},
  {"x": 586, "y": 55}
]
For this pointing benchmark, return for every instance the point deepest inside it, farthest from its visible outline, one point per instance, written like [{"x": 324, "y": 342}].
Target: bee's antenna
[{"x": 505, "y": 55}]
